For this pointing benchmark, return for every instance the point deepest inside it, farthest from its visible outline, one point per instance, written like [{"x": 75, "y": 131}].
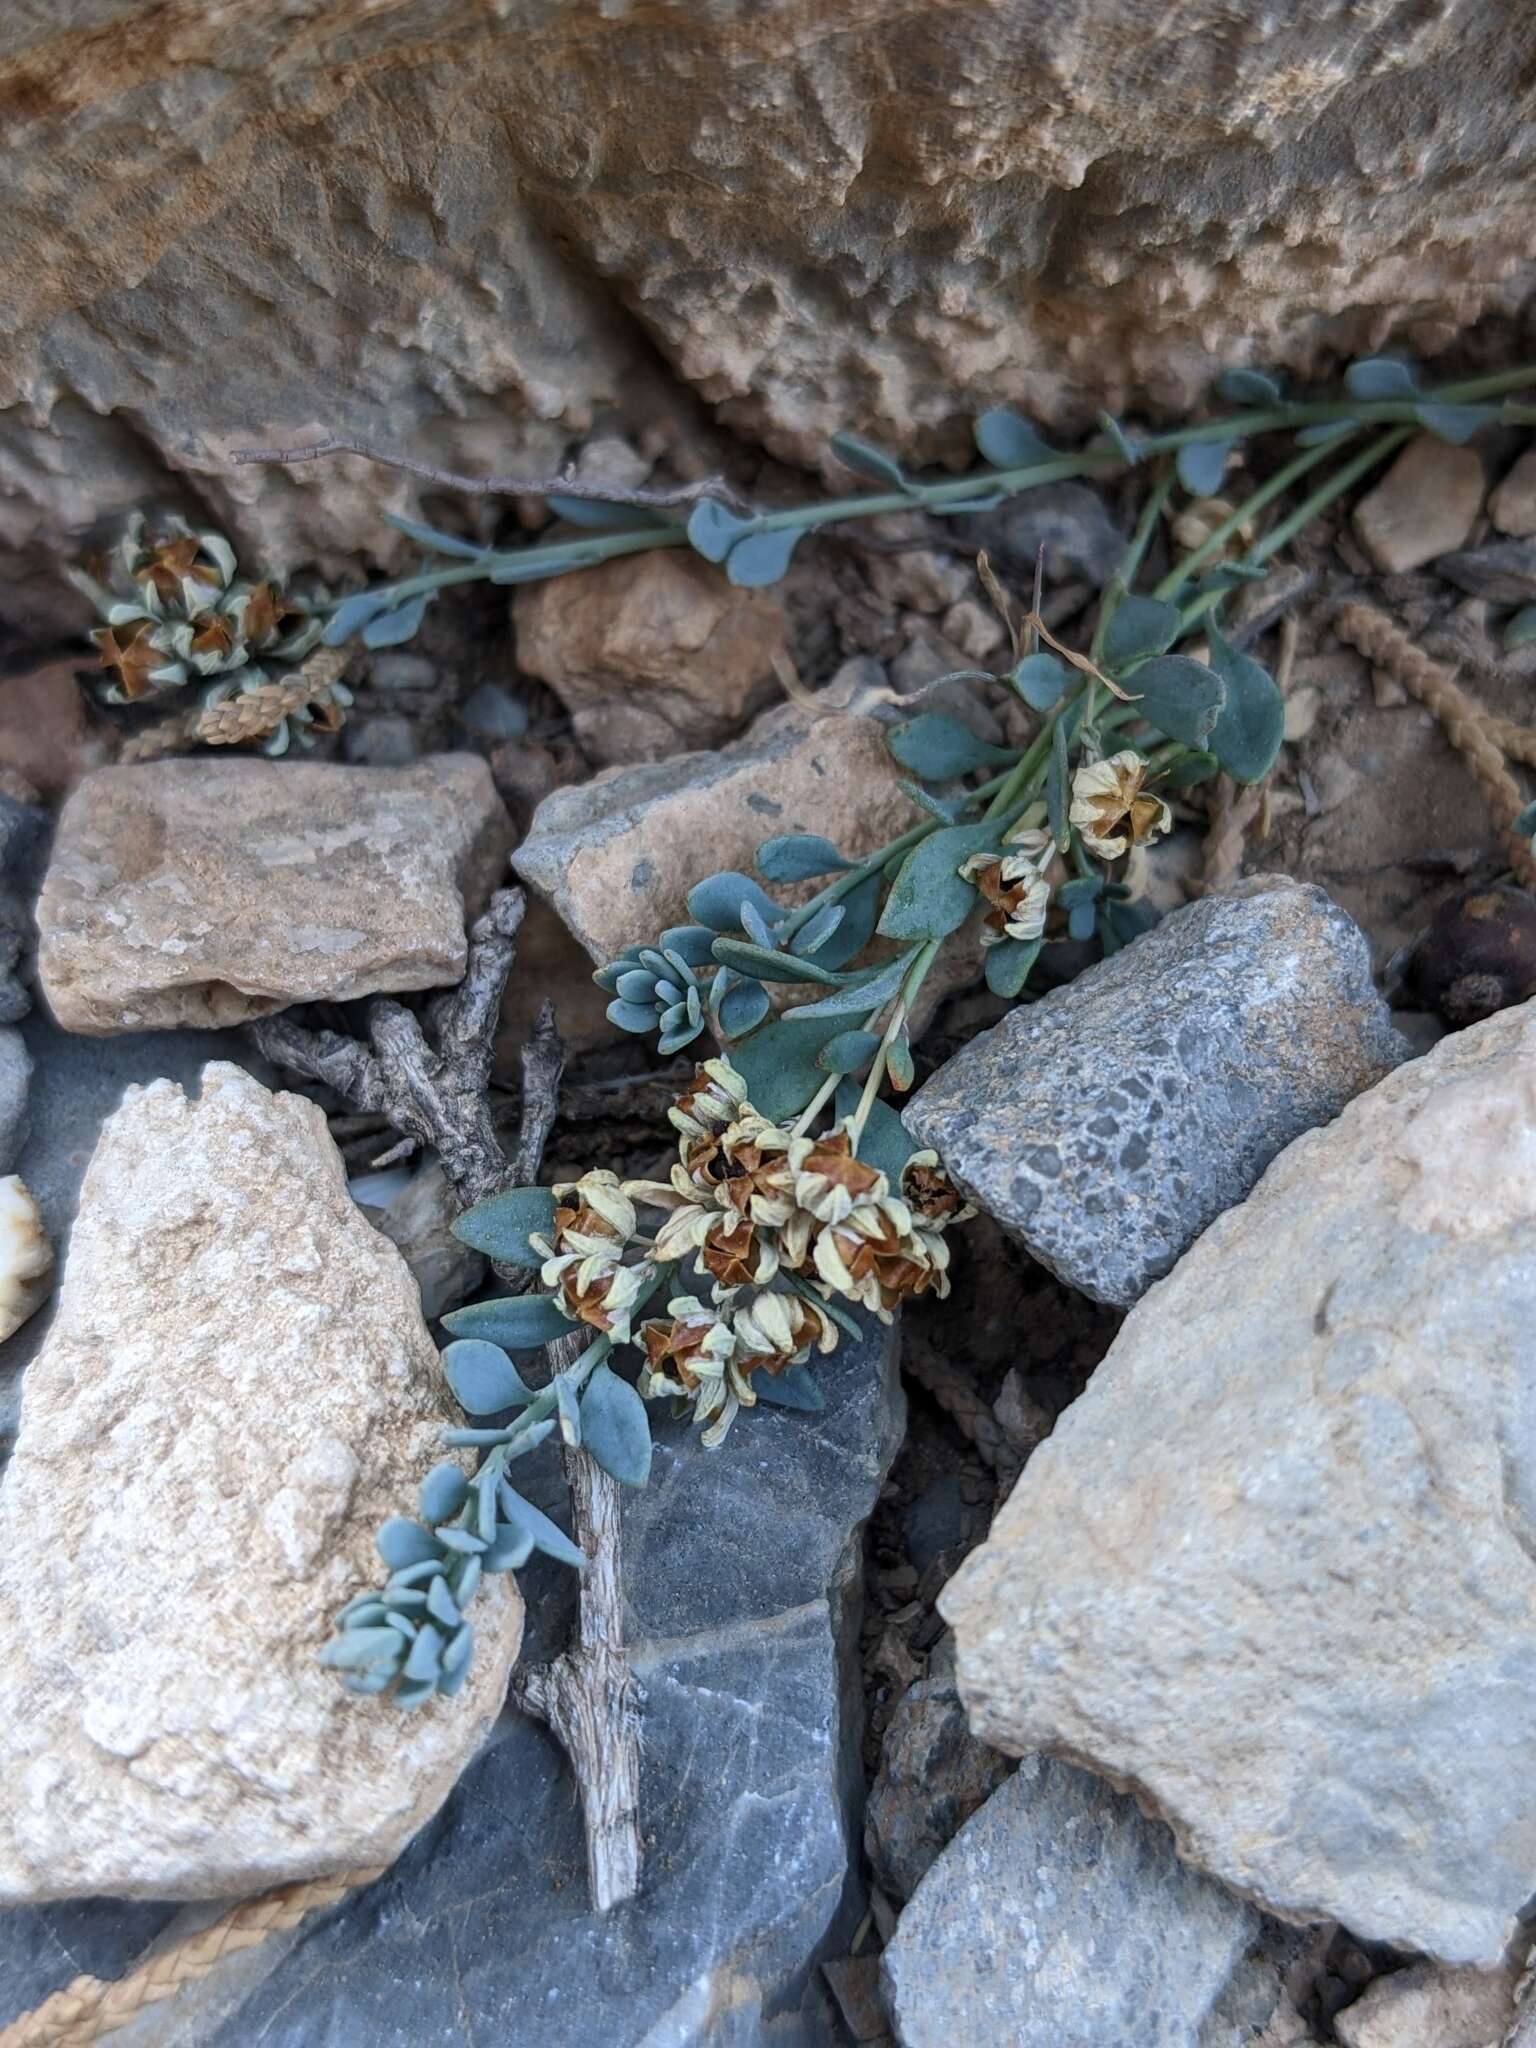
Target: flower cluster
[
  {"x": 585, "y": 1256},
  {"x": 1014, "y": 884},
  {"x": 176, "y": 613},
  {"x": 775, "y": 1223},
  {"x": 1112, "y": 807}
]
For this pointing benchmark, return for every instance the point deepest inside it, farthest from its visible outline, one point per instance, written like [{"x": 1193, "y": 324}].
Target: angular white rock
[
  {"x": 1276, "y": 1569},
  {"x": 26, "y": 1256},
  {"x": 237, "y": 1389}
]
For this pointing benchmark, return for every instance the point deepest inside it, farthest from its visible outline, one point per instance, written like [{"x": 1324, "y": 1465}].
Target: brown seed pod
[{"x": 1477, "y": 955}]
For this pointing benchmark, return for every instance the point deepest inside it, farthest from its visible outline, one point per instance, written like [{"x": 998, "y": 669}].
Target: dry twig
[{"x": 565, "y": 483}]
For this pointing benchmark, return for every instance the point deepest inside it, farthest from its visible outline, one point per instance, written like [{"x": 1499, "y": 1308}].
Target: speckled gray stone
[
  {"x": 15, "y": 1073},
  {"x": 1060, "y": 1917},
  {"x": 934, "y": 1774},
  {"x": 1107, "y": 1125}
]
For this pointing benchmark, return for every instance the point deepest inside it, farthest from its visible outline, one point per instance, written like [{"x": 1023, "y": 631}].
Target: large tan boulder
[
  {"x": 465, "y": 228},
  {"x": 208, "y": 892},
  {"x": 236, "y": 1390}
]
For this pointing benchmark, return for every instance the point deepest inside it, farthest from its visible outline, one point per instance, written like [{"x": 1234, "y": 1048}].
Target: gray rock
[
  {"x": 417, "y": 1220},
  {"x": 742, "y": 1570},
  {"x": 935, "y": 1521},
  {"x": 1107, "y": 1125},
  {"x": 15, "y": 1073},
  {"x": 23, "y": 851},
  {"x": 1059, "y": 1917},
  {"x": 381, "y": 739},
  {"x": 1069, "y": 520},
  {"x": 1276, "y": 1567},
  {"x": 933, "y": 1775},
  {"x": 1504, "y": 571}
]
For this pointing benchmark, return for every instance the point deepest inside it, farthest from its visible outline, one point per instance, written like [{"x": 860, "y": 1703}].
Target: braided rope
[
  {"x": 238, "y": 719},
  {"x": 1516, "y": 742},
  {"x": 955, "y": 1392},
  {"x": 90, "y": 2007},
  {"x": 1466, "y": 726}
]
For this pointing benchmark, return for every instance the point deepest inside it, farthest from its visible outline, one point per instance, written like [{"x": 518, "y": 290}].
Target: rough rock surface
[
  {"x": 207, "y": 892},
  {"x": 516, "y": 218},
  {"x": 236, "y": 1390},
  {"x": 1277, "y": 1565},
  {"x": 933, "y": 1775},
  {"x": 1426, "y": 2006},
  {"x": 76, "y": 1085},
  {"x": 617, "y": 855},
  {"x": 15, "y": 1074},
  {"x": 1424, "y": 506},
  {"x": 1059, "y": 1917},
  {"x": 742, "y": 1574},
  {"x": 24, "y": 831},
  {"x": 1108, "y": 1124},
  {"x": 651, "y": 654}
]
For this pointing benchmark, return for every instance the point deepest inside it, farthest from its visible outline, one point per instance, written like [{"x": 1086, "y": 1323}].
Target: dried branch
[
  {"x": 565, "y": 484},
  {"x": 439, "y": 1097},
  {"x": 588, "y": 1696}
]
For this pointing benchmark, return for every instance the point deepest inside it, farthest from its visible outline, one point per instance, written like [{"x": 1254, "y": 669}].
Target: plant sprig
[{"x": 755, "y": 544}]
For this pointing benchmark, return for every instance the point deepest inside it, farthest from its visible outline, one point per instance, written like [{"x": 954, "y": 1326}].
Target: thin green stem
[
  {"x": 1286, "y": 530},
  {"x": 1267, "y": 492},
  {"x": 951, "y": 493},
  {"x": 1130, "y": 565}
]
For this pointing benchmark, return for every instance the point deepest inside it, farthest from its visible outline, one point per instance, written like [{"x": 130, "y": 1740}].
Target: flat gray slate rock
[
  {"x": 741, "y": 1574},
  {"x": 1060, "y": 1917},
  {"x": 1106, "y": 1125}
]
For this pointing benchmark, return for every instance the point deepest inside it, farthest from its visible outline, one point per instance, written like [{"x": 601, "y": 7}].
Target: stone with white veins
[
  {"x": 208, "y": 892},
  {"x": 15, "y": 1078},
  {"x": 1060, "y": 1917},
  {"x": 1106, "y": 1125},
  {"x": 1276, "y": 1567},
  {"x": 236, "y": 1390}
]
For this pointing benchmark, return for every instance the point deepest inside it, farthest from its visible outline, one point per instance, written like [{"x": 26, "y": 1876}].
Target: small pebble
[
  {"x": 1425, "y": 506},
  {"x": 1513, "y": 505}
]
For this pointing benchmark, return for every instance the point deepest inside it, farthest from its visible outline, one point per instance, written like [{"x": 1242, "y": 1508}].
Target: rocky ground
[{"x": 1267, "y": 1590}]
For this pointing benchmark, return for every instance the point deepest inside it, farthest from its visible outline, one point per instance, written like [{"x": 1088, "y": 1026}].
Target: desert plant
[
  {"x": 1383, "y": 402},
  {"x": 176, "y": 616}
]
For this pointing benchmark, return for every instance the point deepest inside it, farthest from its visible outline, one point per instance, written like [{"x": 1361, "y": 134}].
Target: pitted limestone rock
[
  {"x": 1108, "y": 1124},
  {"x": 236, "y": 1389}
]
